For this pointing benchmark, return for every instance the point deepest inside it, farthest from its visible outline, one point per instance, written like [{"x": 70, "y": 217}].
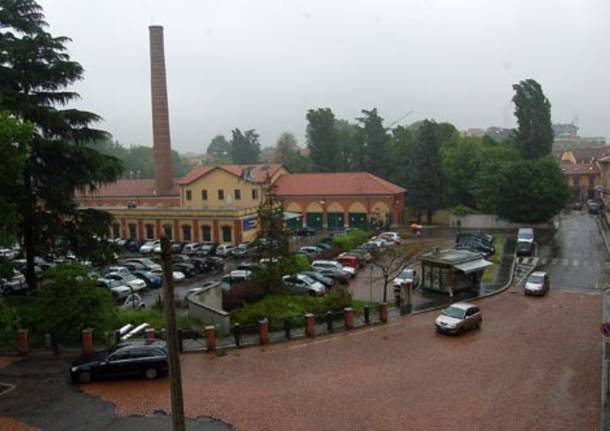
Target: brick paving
[
  {"x": 10, "y": 424},
  {"x": 534, "y": 365}
]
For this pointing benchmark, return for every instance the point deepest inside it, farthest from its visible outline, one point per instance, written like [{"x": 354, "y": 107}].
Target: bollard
[
  {"x": 349, "y": 317},
  {"x": 367, "y": 318},
  {"x": 23, "y": 342},
  {"x": 383, "y": 312},
  {"x": 210, "y": 337},
  {"x": 149, "y": 334},
  {"x": 329, "y": 321},
  {"x": 263, "y": 331},
  {"x": 309, "y": 325},
  {"x": 87, "y": 337},
  {"x": 237, "y": 334},
  {"x": 287, "y": 328}
]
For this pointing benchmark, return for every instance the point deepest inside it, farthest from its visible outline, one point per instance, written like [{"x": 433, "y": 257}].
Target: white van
[{"x": 525, "y": 235}]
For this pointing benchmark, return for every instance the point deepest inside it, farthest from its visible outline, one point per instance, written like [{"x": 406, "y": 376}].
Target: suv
[
  {"x": 148, "y": 359},
  {"x": 525, "y": 248},
  {"x": 458, "y": 318}
]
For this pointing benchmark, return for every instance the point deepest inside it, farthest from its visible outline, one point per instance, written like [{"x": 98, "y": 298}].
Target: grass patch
[
  {"x": 281, "y": 307},
  {"x": 490, "y": 273}
]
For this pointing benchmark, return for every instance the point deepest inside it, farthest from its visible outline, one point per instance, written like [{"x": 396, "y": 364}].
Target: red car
[{"x": 348, "y": 260}]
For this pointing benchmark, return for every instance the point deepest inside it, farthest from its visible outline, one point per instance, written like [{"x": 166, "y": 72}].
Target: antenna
[{"x": 401, "y": 118}]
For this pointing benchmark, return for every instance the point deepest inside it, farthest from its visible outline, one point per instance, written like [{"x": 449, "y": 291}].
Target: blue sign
[{"x": 249, "y": 223}]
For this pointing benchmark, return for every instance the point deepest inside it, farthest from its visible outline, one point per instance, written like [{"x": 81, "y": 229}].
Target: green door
[
  {"x": 314, "y": 220},
  {"x": 294, "y": 223},
  {"x": 335, "y": 221},
  {"x": 357, "y": 220}
]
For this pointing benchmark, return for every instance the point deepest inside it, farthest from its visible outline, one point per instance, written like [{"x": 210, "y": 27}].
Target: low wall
[
  {"x": 488, "y": 221},
  {"x": 206, "y": 305}
]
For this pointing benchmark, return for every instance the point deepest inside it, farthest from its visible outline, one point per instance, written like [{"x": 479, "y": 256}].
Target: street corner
[{"x": 10, "y": 424}]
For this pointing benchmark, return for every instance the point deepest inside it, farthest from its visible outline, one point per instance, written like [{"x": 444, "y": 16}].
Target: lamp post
[{"x": 322, "y": 204}]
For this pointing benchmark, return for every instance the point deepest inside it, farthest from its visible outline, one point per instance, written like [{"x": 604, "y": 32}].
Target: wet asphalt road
[{"x": 575, "y": 258}]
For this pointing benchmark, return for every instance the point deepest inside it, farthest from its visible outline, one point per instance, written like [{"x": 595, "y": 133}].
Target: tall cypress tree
[
  {"x": 35, "y": 72},
  {"x": 375, "y": 141},
  {"x": 245, "y": 148},
  {"x": 322, "y": 140},
  {"x": 534, "y": 135}
]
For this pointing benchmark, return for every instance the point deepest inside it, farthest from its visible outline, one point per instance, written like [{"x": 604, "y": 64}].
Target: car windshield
[
  {"x": 307, "y": 279},
  {"x": 115, "y": 283},
  {"x": 458, "y": 313},
  {"x": 536, "y": 279},
  {"x": 147, "y": 261},
  {"x": 526, "y": 235},
  {"x": 406, "y": 274}
]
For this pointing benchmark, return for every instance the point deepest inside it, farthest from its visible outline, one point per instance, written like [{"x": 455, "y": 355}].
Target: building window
[
  {"x": 167, "y": 231},
  {"x": 237, "y": 194},
  {"x": 150, "y": 231},
  {"x": 226, "y": 234},
  {"x": 116, "y": 230},
  {"x": 206, "y": 233},
  {"x": 186, "y": 233},
  {"x": 189, "y": 196},
  {"x": 254, "y": 193},
  {"x": 204, "y": 195},
  {"x": 133, "y": 231},
  {"x": 221, "y": 194}
]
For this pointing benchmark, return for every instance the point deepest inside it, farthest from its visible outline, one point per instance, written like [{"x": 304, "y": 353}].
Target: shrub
[
  {"x": 70, "y": 302},
  {"x": 301, "y": 263},
  {"x": 351, "y": 240},
  {"x": 337, "y": 299},
  {"x": 241, "y": 294},
  {"x": 154, "y": 317},
  {"x": 9, "y": 323}
]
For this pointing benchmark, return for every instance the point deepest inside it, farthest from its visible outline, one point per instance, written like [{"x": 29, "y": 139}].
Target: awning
[
  {"x": 290, "y": 215},
  {"x": 473, "y": 266}
]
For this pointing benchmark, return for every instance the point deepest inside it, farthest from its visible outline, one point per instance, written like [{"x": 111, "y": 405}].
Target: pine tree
[
  {"x": 322, "y": 140},
  {"x": 374, "y": 140},
  {"x": 245, "y": 148},
  {"x": 35, "y": 71}
]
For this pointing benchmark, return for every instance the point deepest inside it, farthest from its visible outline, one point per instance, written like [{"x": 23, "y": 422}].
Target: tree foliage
[
  {"x": 36, "y": 72},
  {"x": 285, "y": 149},
  {"x": 534, "y": 134},
  {"x": 245, "y": 148},
  {"x": 322, "y": 140},
  {"x": 219, "y": 149},
  {"x": 374, "y": 141},
  {"x": 70, "y": 302}
]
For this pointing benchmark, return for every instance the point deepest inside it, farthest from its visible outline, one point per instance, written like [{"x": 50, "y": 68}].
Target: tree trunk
[{"x": 29, "y": 243}]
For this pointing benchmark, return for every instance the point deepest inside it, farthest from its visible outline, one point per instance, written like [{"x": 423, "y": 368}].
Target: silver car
[
  {"x": 537, "y": 284},
  {"x": 458, "y": 318}
]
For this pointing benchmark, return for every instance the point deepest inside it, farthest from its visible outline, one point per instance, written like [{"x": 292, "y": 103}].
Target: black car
[
  {"x": 133, "y": 245},
  {"x": 177, "y": 246},
  {"x": 475, "y": 236},
  {"x": 525, "y": 248},
  {"x": 133, "y": 359},
  {"x": 181, "y": 258},
  {"x": 207, "y": 249},
  {"x": 478, "y": 245},
  {"x": 153, "y": 281},
  {"x": 207, "y": 264},
  {"x": 305, "y": 231}
]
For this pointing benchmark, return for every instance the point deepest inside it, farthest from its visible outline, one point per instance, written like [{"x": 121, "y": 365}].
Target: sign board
[
  {"x": 605, "y": 328},
  {"x": 249, "y": 223}
]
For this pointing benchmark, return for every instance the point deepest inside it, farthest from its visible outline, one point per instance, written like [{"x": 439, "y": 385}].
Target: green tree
[
  {"x": 374, "y": 139},
  {"x": 322, "y": 139},
  {"x": 350, "y": 146},
  {"x": 285, "y": 148},
  {"x": 527, "y": 191},
  {"x": 36, "y": 71},
  {"x": 400, "y": 150},
  {"x": 245, "y": 148},
  {"x": 9, "y": 323},
  {"x": 219, "y": 149},
  {"x": 534, "y": 134},
  {"x": 461, "y": 162},
  {"x": 426, "y": 190},
  {"x": 70, "y": 302}
]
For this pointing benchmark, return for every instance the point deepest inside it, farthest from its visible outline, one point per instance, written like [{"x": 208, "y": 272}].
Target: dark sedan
[
  {"x": 137, "y": 359},
  {"x": 153, "y": 281},
  {"x": 336, "y": 274},
  {"x": 188, "y": 269},
  {"x": 326, "y": 281}
]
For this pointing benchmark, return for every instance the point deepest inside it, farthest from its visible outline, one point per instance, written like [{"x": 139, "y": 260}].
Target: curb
[{"x": 604, "y": 238}]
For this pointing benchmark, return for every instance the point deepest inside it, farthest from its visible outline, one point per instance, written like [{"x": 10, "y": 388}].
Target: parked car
[
  {"x": 187, "y": 269},
  {"x": 472, "y": 248},
  {"x": 207, "y": 249},
  {"x": 207, "y": 263},
  {"x": 310, "y": 251},
  {"x": 133, "y": 245},
  {"x": 476, "y": 235},
  {"x": 336, "y": 274},
  {"x": 190, "y": 248},
  {"x": 380, "y": 242},
  {"x": 537, "y": 284},
  {"x": 14, "y": 285},
  {"x": 177, "y": 247},
  {"x": 577, "y": 206},
  {"x": 128, "y": 359},
  {"x": 334, "y": 265},
  {"x": 407, "y": 275},
  {"x": 301, "y": 284},
  {"x": 116, "y": 288},
  {"x": 593, "y": 208},
  {"x": 348, "y": 260},
  {"x": 244, "y": 250},
  {"x": 224, "y": 249},
  {"x": 146, "y": 262},
  {"x": 324, "y": 246},
  {"x": 181, "y": 258},
  {"x": 364, "y": 255},
  {"x": 394, "y": 236},
  {"x": 248, "y": 266},
  {"x": 177, "y": 276},
  {"x": 478, "y": 245},
  {"x": 128, "y": 279},
  {"x": 458, "y": 318},
  {"x": 149, "y": 247},
  {"x": 524, "y": 248},
  {"x": 305, "y": 231},
  {"x": 131, "y": 302},
  {"x": 234, "y": 277},
  {"x": 326, "y": 281},
  {"x": 525, "y": 235},
  {"x": 153, "y": 281}
]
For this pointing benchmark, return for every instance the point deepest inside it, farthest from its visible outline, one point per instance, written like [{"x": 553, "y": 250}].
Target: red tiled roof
[
  {"x": 588, "y": 154},
  {"x": 336, "y": 183},
  {"x": 579, "y": 168},
  {"x": 260, "y": 171},
  {"x": 130, "y": 188}
]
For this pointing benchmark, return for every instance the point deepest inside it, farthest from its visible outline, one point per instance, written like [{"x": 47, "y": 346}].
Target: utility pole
[{"x": 171, "y": 333}]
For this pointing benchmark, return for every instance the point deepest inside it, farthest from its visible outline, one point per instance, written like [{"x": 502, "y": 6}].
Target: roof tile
[{"x": 335, "y": 183}]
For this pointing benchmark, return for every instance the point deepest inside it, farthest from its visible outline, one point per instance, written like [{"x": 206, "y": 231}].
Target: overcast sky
[{"x": 262, "y": 64}]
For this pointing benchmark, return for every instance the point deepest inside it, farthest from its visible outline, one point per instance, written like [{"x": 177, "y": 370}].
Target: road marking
[
  {"x": 535, "y": 261},
  {"x": 526, "y": 260}
]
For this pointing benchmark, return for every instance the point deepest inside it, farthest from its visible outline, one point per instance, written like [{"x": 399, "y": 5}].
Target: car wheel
[
  {"x": 151, "y": 374},
  {"x": 84, "y": 377}
]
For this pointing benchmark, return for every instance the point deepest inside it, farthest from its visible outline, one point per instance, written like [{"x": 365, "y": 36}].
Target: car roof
[
  {"x": 539, "y": 274},
  {"x": 462, "y": 305}
]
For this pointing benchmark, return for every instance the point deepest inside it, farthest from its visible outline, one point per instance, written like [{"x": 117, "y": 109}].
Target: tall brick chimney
[{"x": 164, "y": 177}]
